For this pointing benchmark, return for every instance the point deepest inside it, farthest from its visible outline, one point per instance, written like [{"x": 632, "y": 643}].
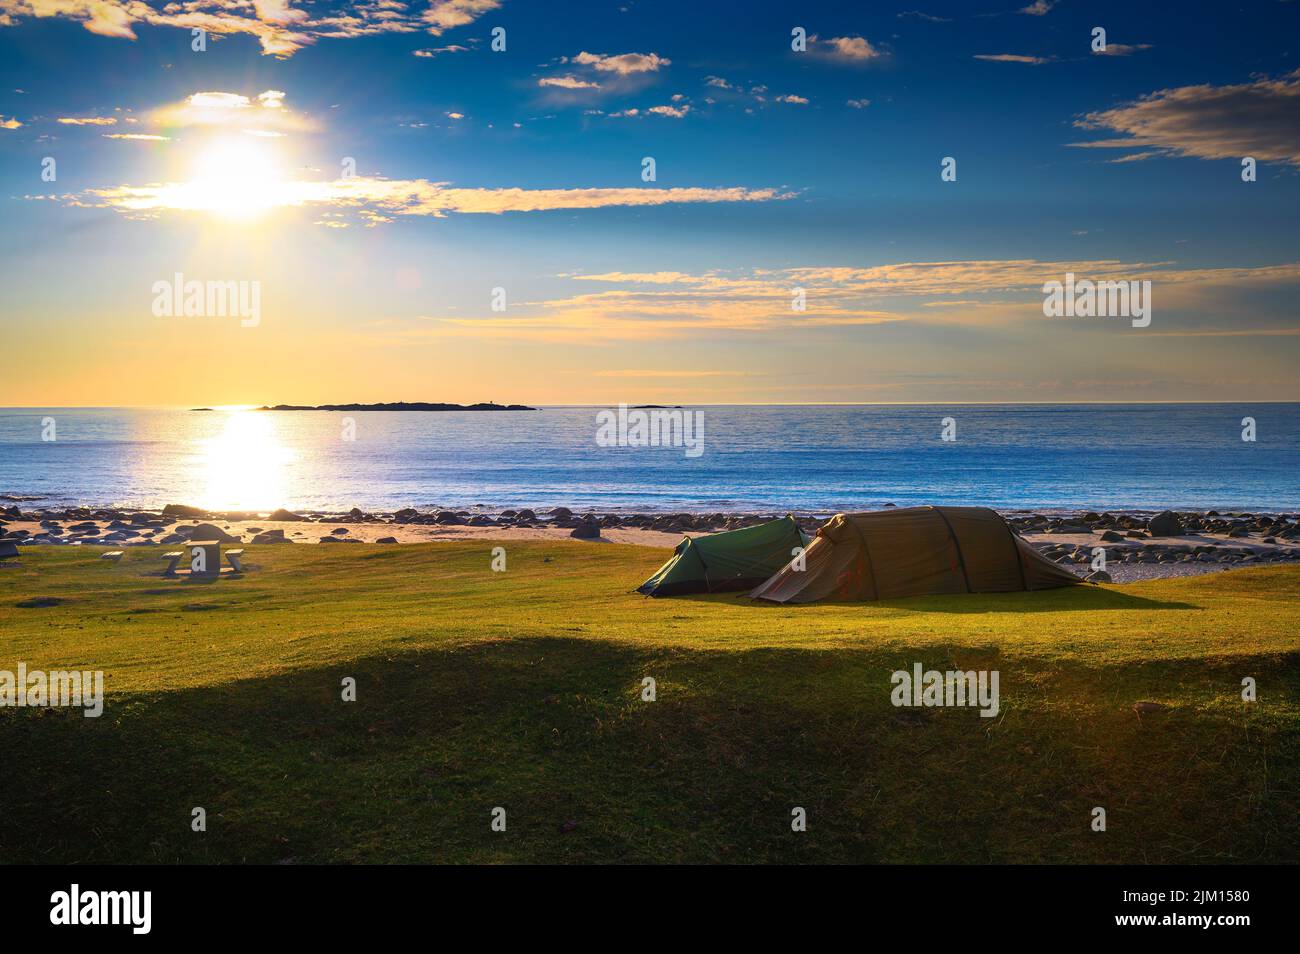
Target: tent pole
[{"x": 961, "y": 560}]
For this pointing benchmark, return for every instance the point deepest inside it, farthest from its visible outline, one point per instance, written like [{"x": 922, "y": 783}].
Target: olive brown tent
[
  {"x": 735, "y": 560},
  {"x": 916, "y": 551}
]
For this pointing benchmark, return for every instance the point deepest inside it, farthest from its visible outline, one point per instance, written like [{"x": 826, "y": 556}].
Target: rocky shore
[{"x": 1137, "y": 545}]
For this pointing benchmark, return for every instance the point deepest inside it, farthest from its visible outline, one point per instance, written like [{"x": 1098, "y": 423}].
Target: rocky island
[{"x": 400, "y": 406}]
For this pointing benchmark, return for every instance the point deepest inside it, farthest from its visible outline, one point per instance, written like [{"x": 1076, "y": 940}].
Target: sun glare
[{"x": 235, "y": 179}]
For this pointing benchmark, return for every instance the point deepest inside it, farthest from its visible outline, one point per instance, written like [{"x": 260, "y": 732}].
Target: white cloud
[
  {"x": 846, "y": 49},
  {"x": 267, "y": 110},
  {"x": 444, "y": 15},
  {"x": 622, "y": 64},
  {"x": 278, "y": 26},
  {"x": 567, "y": 82}
]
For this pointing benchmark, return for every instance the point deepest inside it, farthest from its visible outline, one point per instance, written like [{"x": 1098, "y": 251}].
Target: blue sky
[{"x": 816, "y": 169}]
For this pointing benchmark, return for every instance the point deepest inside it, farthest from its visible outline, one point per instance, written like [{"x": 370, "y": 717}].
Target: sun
[{"x": 235, "y": 179}]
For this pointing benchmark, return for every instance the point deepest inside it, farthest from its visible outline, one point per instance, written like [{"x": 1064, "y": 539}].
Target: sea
[{"x": 749, "y": 459}]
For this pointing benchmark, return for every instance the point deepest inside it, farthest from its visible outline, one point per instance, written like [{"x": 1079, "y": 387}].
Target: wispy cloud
[
  {"x": 1122, "y": 49},
  {"x": 87, "y": 121},
  {"x": 379, "y": 200},
  {"x": 1013, "y": 58},
  {"x": 1039, "y": 8},
  {"x": 1260, "y": 119},
  {"x": 919, "y": 15},
  {"x": 429, "y": 54},
  {"x": 568, "y": 81}
]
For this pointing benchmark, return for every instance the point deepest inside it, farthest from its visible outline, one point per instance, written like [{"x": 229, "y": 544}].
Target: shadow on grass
[
  {"x": 1086, "y": 598},
  {"x": 555, "y": 731}
]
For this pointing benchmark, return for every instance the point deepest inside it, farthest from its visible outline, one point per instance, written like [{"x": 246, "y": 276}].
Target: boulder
[
  {"x": 183, "y": 512},
  {"x": 285, "y": 515},
  {"x": 209, "y": 531},
  {"x": 387, "y": 540},
  {"x": 271, "y": 536},
  {"x": 586, "y": 531},
  {"x": 1110, "y": 536},
  {"x": 1165, "y": 524}
]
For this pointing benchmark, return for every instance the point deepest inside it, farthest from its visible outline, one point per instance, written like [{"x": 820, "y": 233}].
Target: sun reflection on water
[{"x": 243, "y": 466}]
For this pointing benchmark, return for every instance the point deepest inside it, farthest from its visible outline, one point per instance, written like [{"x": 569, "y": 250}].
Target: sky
[{"x": 451, "y": 201}]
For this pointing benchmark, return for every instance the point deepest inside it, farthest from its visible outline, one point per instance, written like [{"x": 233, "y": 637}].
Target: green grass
[{"x": 522, "y": 689}]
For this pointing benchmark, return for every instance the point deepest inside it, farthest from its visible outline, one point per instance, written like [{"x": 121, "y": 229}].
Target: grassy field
[{"x": 522, "y": 689}]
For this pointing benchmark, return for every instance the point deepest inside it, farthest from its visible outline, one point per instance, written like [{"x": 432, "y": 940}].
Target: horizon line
[{"x": 241, "y": 407}]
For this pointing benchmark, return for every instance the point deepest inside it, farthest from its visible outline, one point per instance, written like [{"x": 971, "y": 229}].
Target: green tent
[{"x": 735, "y": 560}]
